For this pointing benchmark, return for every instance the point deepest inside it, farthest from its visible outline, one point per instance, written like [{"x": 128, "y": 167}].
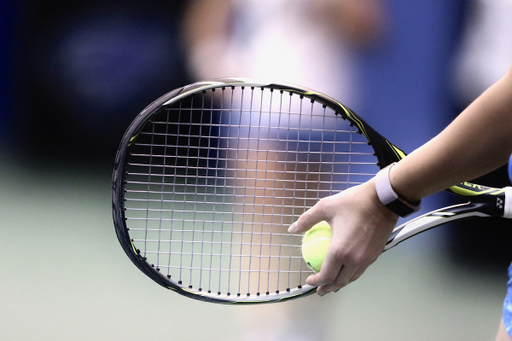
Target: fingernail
[{"x": 293, "y": 228}]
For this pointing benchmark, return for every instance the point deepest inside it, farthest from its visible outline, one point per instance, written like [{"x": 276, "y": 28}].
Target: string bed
[{"x": 214, "y": 180}]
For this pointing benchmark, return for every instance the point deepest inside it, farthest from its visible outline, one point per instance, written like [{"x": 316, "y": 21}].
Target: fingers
[
  {"x": 340, "y": 268},
  {"x": 308, "y": 219},
  {"x": 360, "y": 227},
  {"x": 347, "y": 275},
  {"x": 323, "y": 210}
]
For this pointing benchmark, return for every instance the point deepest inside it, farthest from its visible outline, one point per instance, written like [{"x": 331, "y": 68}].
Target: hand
[{"x": 360, "y": 227}]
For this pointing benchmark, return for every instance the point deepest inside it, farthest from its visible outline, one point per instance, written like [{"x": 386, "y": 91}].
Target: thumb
[{"x": 309, "y": 218}]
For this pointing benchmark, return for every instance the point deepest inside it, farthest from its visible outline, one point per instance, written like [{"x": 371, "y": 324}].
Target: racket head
[{"x": 208, "y": 178}]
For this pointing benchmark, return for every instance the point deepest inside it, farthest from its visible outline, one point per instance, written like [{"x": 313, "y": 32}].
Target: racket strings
[{"x": 213, "y": 182}]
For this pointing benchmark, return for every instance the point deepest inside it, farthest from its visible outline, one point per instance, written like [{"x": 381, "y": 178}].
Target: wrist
[{"x": 390, "y": 198}]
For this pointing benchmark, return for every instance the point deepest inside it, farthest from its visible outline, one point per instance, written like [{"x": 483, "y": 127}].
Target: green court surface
[{"x": 65, "y": 277}]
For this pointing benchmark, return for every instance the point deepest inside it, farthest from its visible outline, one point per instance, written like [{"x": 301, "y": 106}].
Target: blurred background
[{"x": 74, "y": 75}]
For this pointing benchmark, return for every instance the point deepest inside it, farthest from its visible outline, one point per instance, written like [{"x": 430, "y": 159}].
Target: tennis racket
[{"x": 208, "y": 178}]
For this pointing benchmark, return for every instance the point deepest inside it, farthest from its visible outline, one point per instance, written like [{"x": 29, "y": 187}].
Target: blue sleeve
[{"x": 510, "y": 168}]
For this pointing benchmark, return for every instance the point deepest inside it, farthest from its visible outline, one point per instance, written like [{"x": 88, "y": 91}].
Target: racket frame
[{"x": 484, "y": 203}]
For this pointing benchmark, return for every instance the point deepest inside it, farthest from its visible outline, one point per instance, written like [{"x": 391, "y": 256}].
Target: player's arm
[{"x": 478, "y": 141}]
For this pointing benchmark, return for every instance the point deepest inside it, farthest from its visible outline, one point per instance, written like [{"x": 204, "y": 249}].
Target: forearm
[
  {"x": 479, "y": 140},
  {"x": 475, "y": 143}
]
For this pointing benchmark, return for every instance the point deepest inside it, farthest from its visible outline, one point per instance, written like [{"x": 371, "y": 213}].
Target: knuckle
[
  {"x": 340, "y": 255},
  {"x": 325, "y": 278},
  {"x": 360, "y": 259},
  {"x": 323, "y": 205}
]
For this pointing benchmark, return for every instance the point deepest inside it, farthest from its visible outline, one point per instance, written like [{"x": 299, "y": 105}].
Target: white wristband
[{"x": 389, "y": 198}]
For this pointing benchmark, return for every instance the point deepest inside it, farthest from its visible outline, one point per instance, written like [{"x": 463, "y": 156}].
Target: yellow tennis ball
[{"x": 314, "y": 245}]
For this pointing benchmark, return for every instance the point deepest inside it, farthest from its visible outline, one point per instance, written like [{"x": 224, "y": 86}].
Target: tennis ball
[{"x": 314, "y": 245}]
